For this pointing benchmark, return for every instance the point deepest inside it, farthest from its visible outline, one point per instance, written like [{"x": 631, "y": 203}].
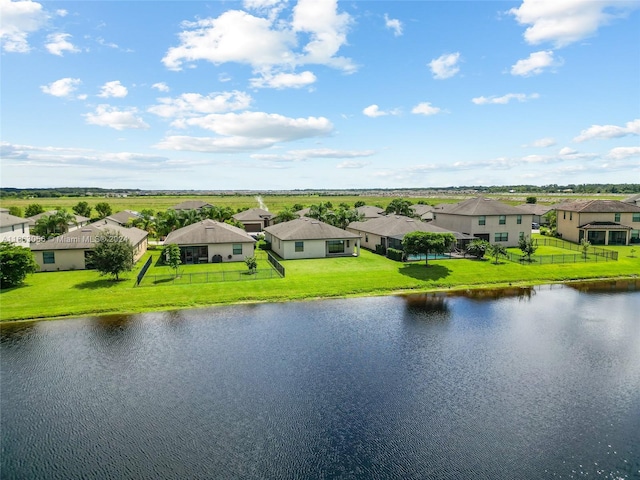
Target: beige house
[
  {"x": 369, "y": 212},
  {"x": 601, "y": 222},
  {"x": 385, "y": 231},
  {"x": 487, "y": 219},
  {"x": 79, "y": 220},
  {"x": 424, "y": 212},
  {"x": 209, "y": 241},
  {"x": 190, "y": 205},
  {"x": 310, "y": 238},
  {"x": 121, "y": 218},
  {"x": 73, "y": 250},
  {"x": 14, "y": 229},
  {"x": 254, "y": 219}
]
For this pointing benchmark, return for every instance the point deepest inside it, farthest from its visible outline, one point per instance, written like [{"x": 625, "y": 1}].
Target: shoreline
[{"x": 458, "y": 290}]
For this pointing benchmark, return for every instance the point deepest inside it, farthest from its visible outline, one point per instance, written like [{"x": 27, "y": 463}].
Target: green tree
[
  {"x": 399, "y": 206},
  {"x": 171, "y": 256},
  {"x": 477, "y": 247},
  {"x": 15, "y": 211},
  {"x": 342, "y": 217},
  {"x": 585, "y": 245},
  {"x": 103, "y": 209},
  {"x": 63, "y": 219},
  {"x": 15, "y": 264},
  {"x": 528, "y": 248},
  {"x": 33, "y": 209},
  {"x": 83, "y": 209},
  {"x": 496, "y": 251},
  {"x": 297, "y": 206},
  {"x": 113, "y": 254},
  {"x": 359, "y": 203},
  {"x": 424, "y": 243},
  {"x": 251, "y": 263},
  {"x": 320, "y": 211},
  {"x": 532, "y": 200},
  {"x": 285, "y": 215}
]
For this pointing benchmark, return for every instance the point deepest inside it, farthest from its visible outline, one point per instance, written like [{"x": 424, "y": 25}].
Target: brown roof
[
  {"x": 208, "y": 232},
  {"x": 392, "y": 225},
  {"x": 87, "y": 236},
  {"x": 191, "y": 205},
  {"x": 535, "y": 209},
  {"x": 306, "y": 228},
  {"x": 605, "y": 226},
  {"x": 6, "y": 220},
  {"x": 480, "y": 206},
  {"x": 253, "y": 215},
  {"x": 598, "y": 206}
]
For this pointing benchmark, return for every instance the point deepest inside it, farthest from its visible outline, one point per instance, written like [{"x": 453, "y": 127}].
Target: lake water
[{"x": 511, "y": 384}]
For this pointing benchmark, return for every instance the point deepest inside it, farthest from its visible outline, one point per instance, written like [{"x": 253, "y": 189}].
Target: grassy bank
[{"x": 58, "y": 294}]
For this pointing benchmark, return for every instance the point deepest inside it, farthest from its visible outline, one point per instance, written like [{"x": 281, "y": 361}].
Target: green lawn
[{"x": 57, "y": 294}]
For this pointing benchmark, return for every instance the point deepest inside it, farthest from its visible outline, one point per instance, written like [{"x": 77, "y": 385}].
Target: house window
[
  {"x": 366, "y": 238},
  {"x": 636, "y": 217},
  {"x": 482, "y": 220},
  {"x": 635, "y": 236},
  {"x": 570, "y": 215},
  {"x": 521, "y": 235},
  {"x": 616, "y": 217},
  {"x": 48, "y": 257},
  {"x": 501, "y": 237},
  {"x": 502, "y": 219},
  {"x": 299, "y": 246},
  {"x": 519, "y": 219},
  {"x": 335, "y": 246},
  {"x": 564, "y": 215},
  {"x": 237, "y": 249}
]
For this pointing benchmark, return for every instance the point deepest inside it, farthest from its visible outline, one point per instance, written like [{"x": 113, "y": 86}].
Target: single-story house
[
  {"x": 72, "y": 250},
  {"x": 14, "y": 229},
  {"x": 254, "y": 219},
  {"x": 79, "y": 222},
  {"x": 389, "y": 230},
  {"x": 303, "y": 212},
  {"x": 486, "y": 219},
  {"x": 634, "y": 199},
  {"x": 424, "y": 212},
  {"x": 191, "y": 205},
  {"x": 538, "y": 212},
  {"x": 121, "y": 218},
  {"x": 210, "y": 241},
  {"x": 310, "y": 238},
  {"x": 601, "y": 222},
  {"x": 369, "y": 212}
]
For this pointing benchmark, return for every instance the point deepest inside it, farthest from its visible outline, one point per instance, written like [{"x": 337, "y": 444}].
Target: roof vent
[{"x": 86, "y": 230}]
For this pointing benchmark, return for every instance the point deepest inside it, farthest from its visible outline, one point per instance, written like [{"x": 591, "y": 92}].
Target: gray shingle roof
[
  {"x": 306, "y": 228},
  {"x": 79, "y": 218},
  {"x": 87, "y": 236},
  {"x": 422, "y": 209},
  {"x": 253, "y": 215},
  {"x": 480, "y": 206},
  {"x": 392, "y": 225},
  {"x": 535, "y": 209},
  {"x": 370, "y": 211},
  {"x": 6, "y": 220},
  {"x": 191, "y": 205},
  {"x": 208, "y": 232},
  {"x": 123, "y": 217},
  {"x": 598, "y": 206}
]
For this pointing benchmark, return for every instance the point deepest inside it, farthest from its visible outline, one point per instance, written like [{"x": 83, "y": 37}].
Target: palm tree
[
  {"x": 344, "y": 216},
  {"x": 496, "y": 251},
  {"x": 285, "y": 215},
  {"x": 62, "y": 220},
  {"x": 399, "y": 206},
  {"x": 319, "y": 212},
  {"x": 188, "y": 217}
]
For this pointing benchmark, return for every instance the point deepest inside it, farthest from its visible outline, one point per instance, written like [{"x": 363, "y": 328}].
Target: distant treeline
[{"x": 588, "y": 188}]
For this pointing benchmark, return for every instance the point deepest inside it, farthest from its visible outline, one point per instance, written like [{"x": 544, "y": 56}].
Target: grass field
[{"x": 59, "y": 294}]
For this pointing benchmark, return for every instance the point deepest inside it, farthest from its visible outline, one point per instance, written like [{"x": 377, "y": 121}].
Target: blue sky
[{"x": 270, "y": 94}]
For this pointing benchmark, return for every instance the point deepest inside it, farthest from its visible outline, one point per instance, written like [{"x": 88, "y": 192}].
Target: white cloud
[
  {"x": 534, "y": 64},
  {"x": 58, "y": 43},
  {"x": 445, "y": 66},
  {"x": 160, "y": 86},
  {"x": 113, "y": 89},
  {"x": 108, "y": 116},
  {"x": 374, "y": 111},
  {"x": 542, "y": 142},
  {"x": 608, "y": 131},
  {"x": 568, "y": 21},
  {"x": 190, "y": 104},
  {"x": 393, "y": 24},
  {"x": 302, "y": 155},
  {"x": 620, "y": 153},
  {"x": 61, "y": 12},
  {"x": 352, "y": 164},
  {"x": 425, "y": 108},
  {"x": 17, "y": 21},
  {"x": 61, "y": 88},
  {"x": 246, "y": 131},
  {"x": 567, "y": 151},
  {"x": 284, "y": 80},
  {"x": 266, "y": 43},
  {"x": 520, "y": 97}
]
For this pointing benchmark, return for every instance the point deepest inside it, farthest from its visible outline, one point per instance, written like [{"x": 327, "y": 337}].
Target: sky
[{"x": 318, "y": 94}]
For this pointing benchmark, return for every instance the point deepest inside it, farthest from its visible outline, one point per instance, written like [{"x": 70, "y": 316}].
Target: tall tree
[
  {"x": 359, "y": 203},
  {"x": 342, "y": 217},
  {"x": 320, "y": 211},
  {"x": 424, "y": 243},
  {"x": 171, "y": 256},
  {"x": 113, "y": 254},
  {"x": 83, "y": 209},
  {"x": 527, "y": 247},
  {"x": 15, "y": 264},
  {"x": 33, "y": 209},
  {"x": 285, "y": 215},
  {"x": 477, "y": 247},
  {"x": 63, "y": 219},
  {"x": 399, "y": 206},
  {"x": 15, "y": 211},
  {"x": 532, "y": 200},
  {"x": 103, "y": 209}
]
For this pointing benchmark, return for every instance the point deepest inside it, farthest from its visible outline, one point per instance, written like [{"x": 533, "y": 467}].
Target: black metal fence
[
  {"x": 597, "y": 251},
  {"x": 275, "y": 263},
  {"x": 208, "y": 277},
  {"x": 593, "y": 254},
  {"x": 145, "y": 267}
]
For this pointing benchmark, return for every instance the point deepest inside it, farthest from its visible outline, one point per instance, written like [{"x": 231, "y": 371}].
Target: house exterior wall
[
  {"x": 311, "y": 248},
  {"x": 568, "y": 222},
  {"x": 470, "y": 224},
  {"x": 16, "y": 234},
  {"x": 367, "y": 240},
  {"x": 64, "y": 260},
  {"x": 225, "y": 250}
]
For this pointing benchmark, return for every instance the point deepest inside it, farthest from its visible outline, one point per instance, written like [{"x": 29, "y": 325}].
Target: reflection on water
[
  {"x": 613, "y": 286},
  {"x": 523, "y": 384}
]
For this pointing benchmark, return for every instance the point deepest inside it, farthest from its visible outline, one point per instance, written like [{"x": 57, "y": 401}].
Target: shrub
[
  {"x": 380, "y": 250},
  {"x": 395, "y": 254}
]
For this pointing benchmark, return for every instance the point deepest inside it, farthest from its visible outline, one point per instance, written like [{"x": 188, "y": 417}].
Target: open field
[
  {"x": 57, "y": 294},
  {"x": 274, "y": 203}
]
